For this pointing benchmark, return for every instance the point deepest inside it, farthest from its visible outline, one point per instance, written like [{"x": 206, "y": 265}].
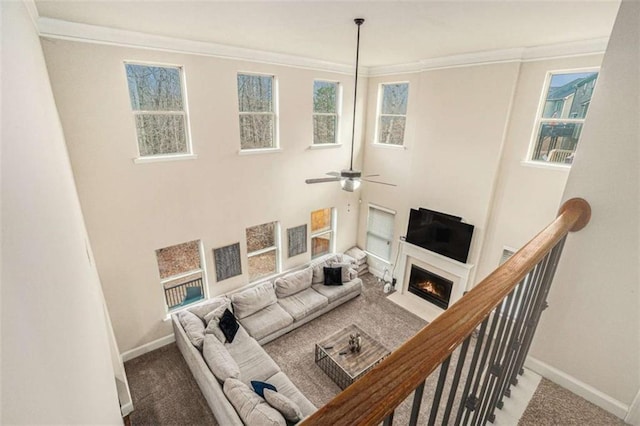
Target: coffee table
[{"x": 350, "y": 366}]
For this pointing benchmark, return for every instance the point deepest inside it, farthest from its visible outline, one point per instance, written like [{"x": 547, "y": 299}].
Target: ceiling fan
[{"x": 350, "y": 179}]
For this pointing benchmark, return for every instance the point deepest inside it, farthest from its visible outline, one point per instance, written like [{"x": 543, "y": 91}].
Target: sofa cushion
[
  {"x": 203, "y": 309},
  {"x": 252, "y": 409},
  {"x": 303, "y": 303},
  {"x": 252, "y": 300},
  {"x": 294, "y": 282},
  {"x": 288, "y": 389},
  {"x": 332, "y": 275},
  {"x": 348, "y": 273},
  {"x": 193, "y": 327},
  {"x": 289, "y": 409},
  {"x": 219, "y": 360},
  {"x": 212, "y": 319},
  {"x": 266, "y": 321},
  {"x": 253, "y": 361},
  {"x": 334, "y": 293},
  {"x": 321, "y": 262}
]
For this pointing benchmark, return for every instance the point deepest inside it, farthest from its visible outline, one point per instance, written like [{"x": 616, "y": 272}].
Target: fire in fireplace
[{"x": 430, "y": 286}]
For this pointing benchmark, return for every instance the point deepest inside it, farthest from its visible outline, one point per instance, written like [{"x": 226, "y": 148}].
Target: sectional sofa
[{"x": 224, "y": 370}]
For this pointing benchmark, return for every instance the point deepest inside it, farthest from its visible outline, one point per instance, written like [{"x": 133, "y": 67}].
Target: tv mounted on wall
[{"x": 441, "y": 233}]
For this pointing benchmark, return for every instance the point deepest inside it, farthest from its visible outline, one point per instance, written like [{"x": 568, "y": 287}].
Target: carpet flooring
[{"x": 165, "y": 393}]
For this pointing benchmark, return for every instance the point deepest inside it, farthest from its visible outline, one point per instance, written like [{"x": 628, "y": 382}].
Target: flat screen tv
[{"x": 440, "y": 233}]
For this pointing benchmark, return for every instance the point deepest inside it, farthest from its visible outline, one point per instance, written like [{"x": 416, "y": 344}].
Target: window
[
  {"x": 257, "y": 112},
  {"x": 392, "y": 113},
  {"x": 380, "y": 232},
  {"x": 262, "y": 250},
  {"x": 321, "y": 232},
  {"x": 325, "y": 112},
  {"x": 181, "y": 274},
  {"x": 158, "y": 106},
  {"x": 562, "y": 113}
]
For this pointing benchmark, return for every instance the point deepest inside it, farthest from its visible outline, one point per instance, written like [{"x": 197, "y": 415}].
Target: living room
[{"x": 133, "y": 208}]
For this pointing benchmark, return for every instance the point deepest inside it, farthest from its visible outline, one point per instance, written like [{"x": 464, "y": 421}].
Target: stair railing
[{"x": 486, "y": 335}]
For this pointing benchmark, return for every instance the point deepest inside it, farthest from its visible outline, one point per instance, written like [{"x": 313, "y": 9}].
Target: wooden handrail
[{"x": 372, "y": 398}]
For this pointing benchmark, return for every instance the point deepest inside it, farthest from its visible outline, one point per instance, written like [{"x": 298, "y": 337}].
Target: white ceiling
[{"x": 394, "y": 32}]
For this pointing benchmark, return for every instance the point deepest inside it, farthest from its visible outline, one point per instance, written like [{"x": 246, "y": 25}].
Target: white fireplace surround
[{"x": 455, "y": 271}]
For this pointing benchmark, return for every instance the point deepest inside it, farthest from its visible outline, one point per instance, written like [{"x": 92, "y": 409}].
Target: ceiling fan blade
[
  {"x": 336, "y": 174},
  {"x": 322, "y": 180},
  {"x": 381, "y": 183},
  {"x": 370, "y": 176}
]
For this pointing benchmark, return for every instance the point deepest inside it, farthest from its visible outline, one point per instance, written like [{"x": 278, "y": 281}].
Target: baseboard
[
  {"x": 147, "y": 347},
  {"x": 582, "y": 389},
  {"x": 633, "y": 416}
]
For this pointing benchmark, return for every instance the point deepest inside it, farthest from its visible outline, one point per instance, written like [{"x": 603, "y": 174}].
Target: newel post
[{"x": 578, "y": 206}]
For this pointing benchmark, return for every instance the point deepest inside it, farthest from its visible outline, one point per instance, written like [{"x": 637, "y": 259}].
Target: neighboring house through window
[
  {"x": 380, "y": 232},
  {"x": 322, "y": 232},
  {"x": 181, "y": 274},
  {"x": 263, "y": 244},
  {"x": 392, "y": 113},
  {"x": 258, "y": 124},
  {"x": 325, "y": 112},
  {"x": 157, "y": 101},
  {"x": 563, "y": 109}
]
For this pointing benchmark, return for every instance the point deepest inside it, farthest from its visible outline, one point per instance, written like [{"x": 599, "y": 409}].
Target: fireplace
[{"x": 430, "y": 286}]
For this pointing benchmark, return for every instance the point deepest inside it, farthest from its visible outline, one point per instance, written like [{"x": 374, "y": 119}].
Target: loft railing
[
  {"x": 486, "y": 335},
  {"x": 176, "y": 293}
]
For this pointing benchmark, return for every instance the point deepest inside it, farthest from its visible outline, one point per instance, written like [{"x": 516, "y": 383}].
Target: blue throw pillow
[
  {"x": 259, "y": 387},
  {"x": 333, "y": 276},
  {"x": 229, "y": 325}
]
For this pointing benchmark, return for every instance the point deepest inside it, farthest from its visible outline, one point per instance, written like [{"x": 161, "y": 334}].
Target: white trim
[
  {"x": 389, "y": 146},
  {"x": 183, "y": 275},
  {"x": 147, "y": 347},
  {"x": 263, "y": 251},
  {"x": 32, "y": 10},
  {"x": 633, "y": 415},
  {"x": 578, "y": 387},
  {"x": 324, "y": 145},
  {"x": 384, "y": 209},
  {"x": 259, "y": 151},
  {"x": 162, "y": 158},
  {"x": 546, "y": 165},
  {"x": 65, "y": 30}
]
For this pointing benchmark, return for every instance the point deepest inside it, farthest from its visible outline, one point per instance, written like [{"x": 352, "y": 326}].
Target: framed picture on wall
[
  {"x": 297, "y": 240},
  {"x": 227, "y": 261}
]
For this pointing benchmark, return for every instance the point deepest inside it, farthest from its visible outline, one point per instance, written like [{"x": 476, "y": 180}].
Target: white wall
[
  {"x": 56, "y": 367},
  {"x": 592, "y": 329},
  {"x": 133, "y": 209}
]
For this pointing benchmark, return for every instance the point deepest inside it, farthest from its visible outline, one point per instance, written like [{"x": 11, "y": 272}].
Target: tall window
[
  {"x": 257, "y": 112},
  {"x": 181, "y": 273},
  {"x": 380, "y": 232},
  {"x": 392, "y": 113},
  {"x": 262, "y": 249},
  {"x": 564, "y": 106},
  {"x": 321, "y": 232},
  {"x": 158, "y": 106},
  {"x": 325, "y": 112}
]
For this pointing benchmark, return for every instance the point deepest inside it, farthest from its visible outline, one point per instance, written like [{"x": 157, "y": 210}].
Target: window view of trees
[
  {"x": 393, "y": 113},
  {"x": 325, "y": 112},
  {"x": 563, "y": 113},
  {"x": 262, "y": 250},
  {"x": 181, "y": 273},
  {"x": 156, "y": 99},
  {"x": 321, "y": 232},
  {"x": 257, "y": 117}
]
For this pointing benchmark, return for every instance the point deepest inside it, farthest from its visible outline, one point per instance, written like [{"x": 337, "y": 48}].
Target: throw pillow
[
  {"x": 201, "y": 310},
  {"x": 219, "y": 360},
  {"x": 332, "y": 276},
  {"x": 259, "y": 387},
  {"x": 229, "y": 325},
  {"x": 213, "y": 321},
  {"x": 193, "y": 327},
  {"x": 284, "y": 405},
  {"x": 346, "y": 276},
  {"x": 252, "y": 409}
]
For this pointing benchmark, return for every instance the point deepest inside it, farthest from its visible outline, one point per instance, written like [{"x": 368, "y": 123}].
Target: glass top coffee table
[{"x": 343, "y": 366}]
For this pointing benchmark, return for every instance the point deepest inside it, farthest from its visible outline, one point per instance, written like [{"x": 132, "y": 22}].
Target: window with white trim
[
  {"x": 181, "y": 274},
  {"x": 392, "y": 113},
  {"x": 562, "y": 111},
  {"x": 322, "y": 225},
  {"x": 380, "y": 232},
  {"x": 157, "y": 101},
  {"x": 325, "y": 112},
  {"x": 263, "y": 250},
  {"x": 258, "y": 124}
]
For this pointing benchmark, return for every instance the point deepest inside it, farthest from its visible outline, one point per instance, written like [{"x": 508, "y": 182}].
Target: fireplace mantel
[{"x": 455, "y": 271}]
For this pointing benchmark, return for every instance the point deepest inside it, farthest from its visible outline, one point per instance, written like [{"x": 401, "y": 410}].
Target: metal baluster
[
  {"x": 436, "y": 398},
  {"x": 456, "y": 379},
  {"x": 417, "y": 402},
  {"x": 388, "y": 421},
  {"x": 472, "y": 368}
]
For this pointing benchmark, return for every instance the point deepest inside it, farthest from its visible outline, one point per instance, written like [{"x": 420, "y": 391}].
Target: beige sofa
[{"x": 265, "y": 311}]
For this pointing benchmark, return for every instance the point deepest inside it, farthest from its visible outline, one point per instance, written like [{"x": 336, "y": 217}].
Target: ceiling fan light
[{"x": 350, "y": 184}]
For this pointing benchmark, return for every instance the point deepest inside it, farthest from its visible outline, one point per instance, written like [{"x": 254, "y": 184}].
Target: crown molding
[
  {"x": 56, "y": 28},
  {"x": 59, "y": 29}
]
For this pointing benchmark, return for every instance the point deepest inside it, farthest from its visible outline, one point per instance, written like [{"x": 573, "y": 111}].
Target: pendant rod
[{"x": 358, "y": 21}]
